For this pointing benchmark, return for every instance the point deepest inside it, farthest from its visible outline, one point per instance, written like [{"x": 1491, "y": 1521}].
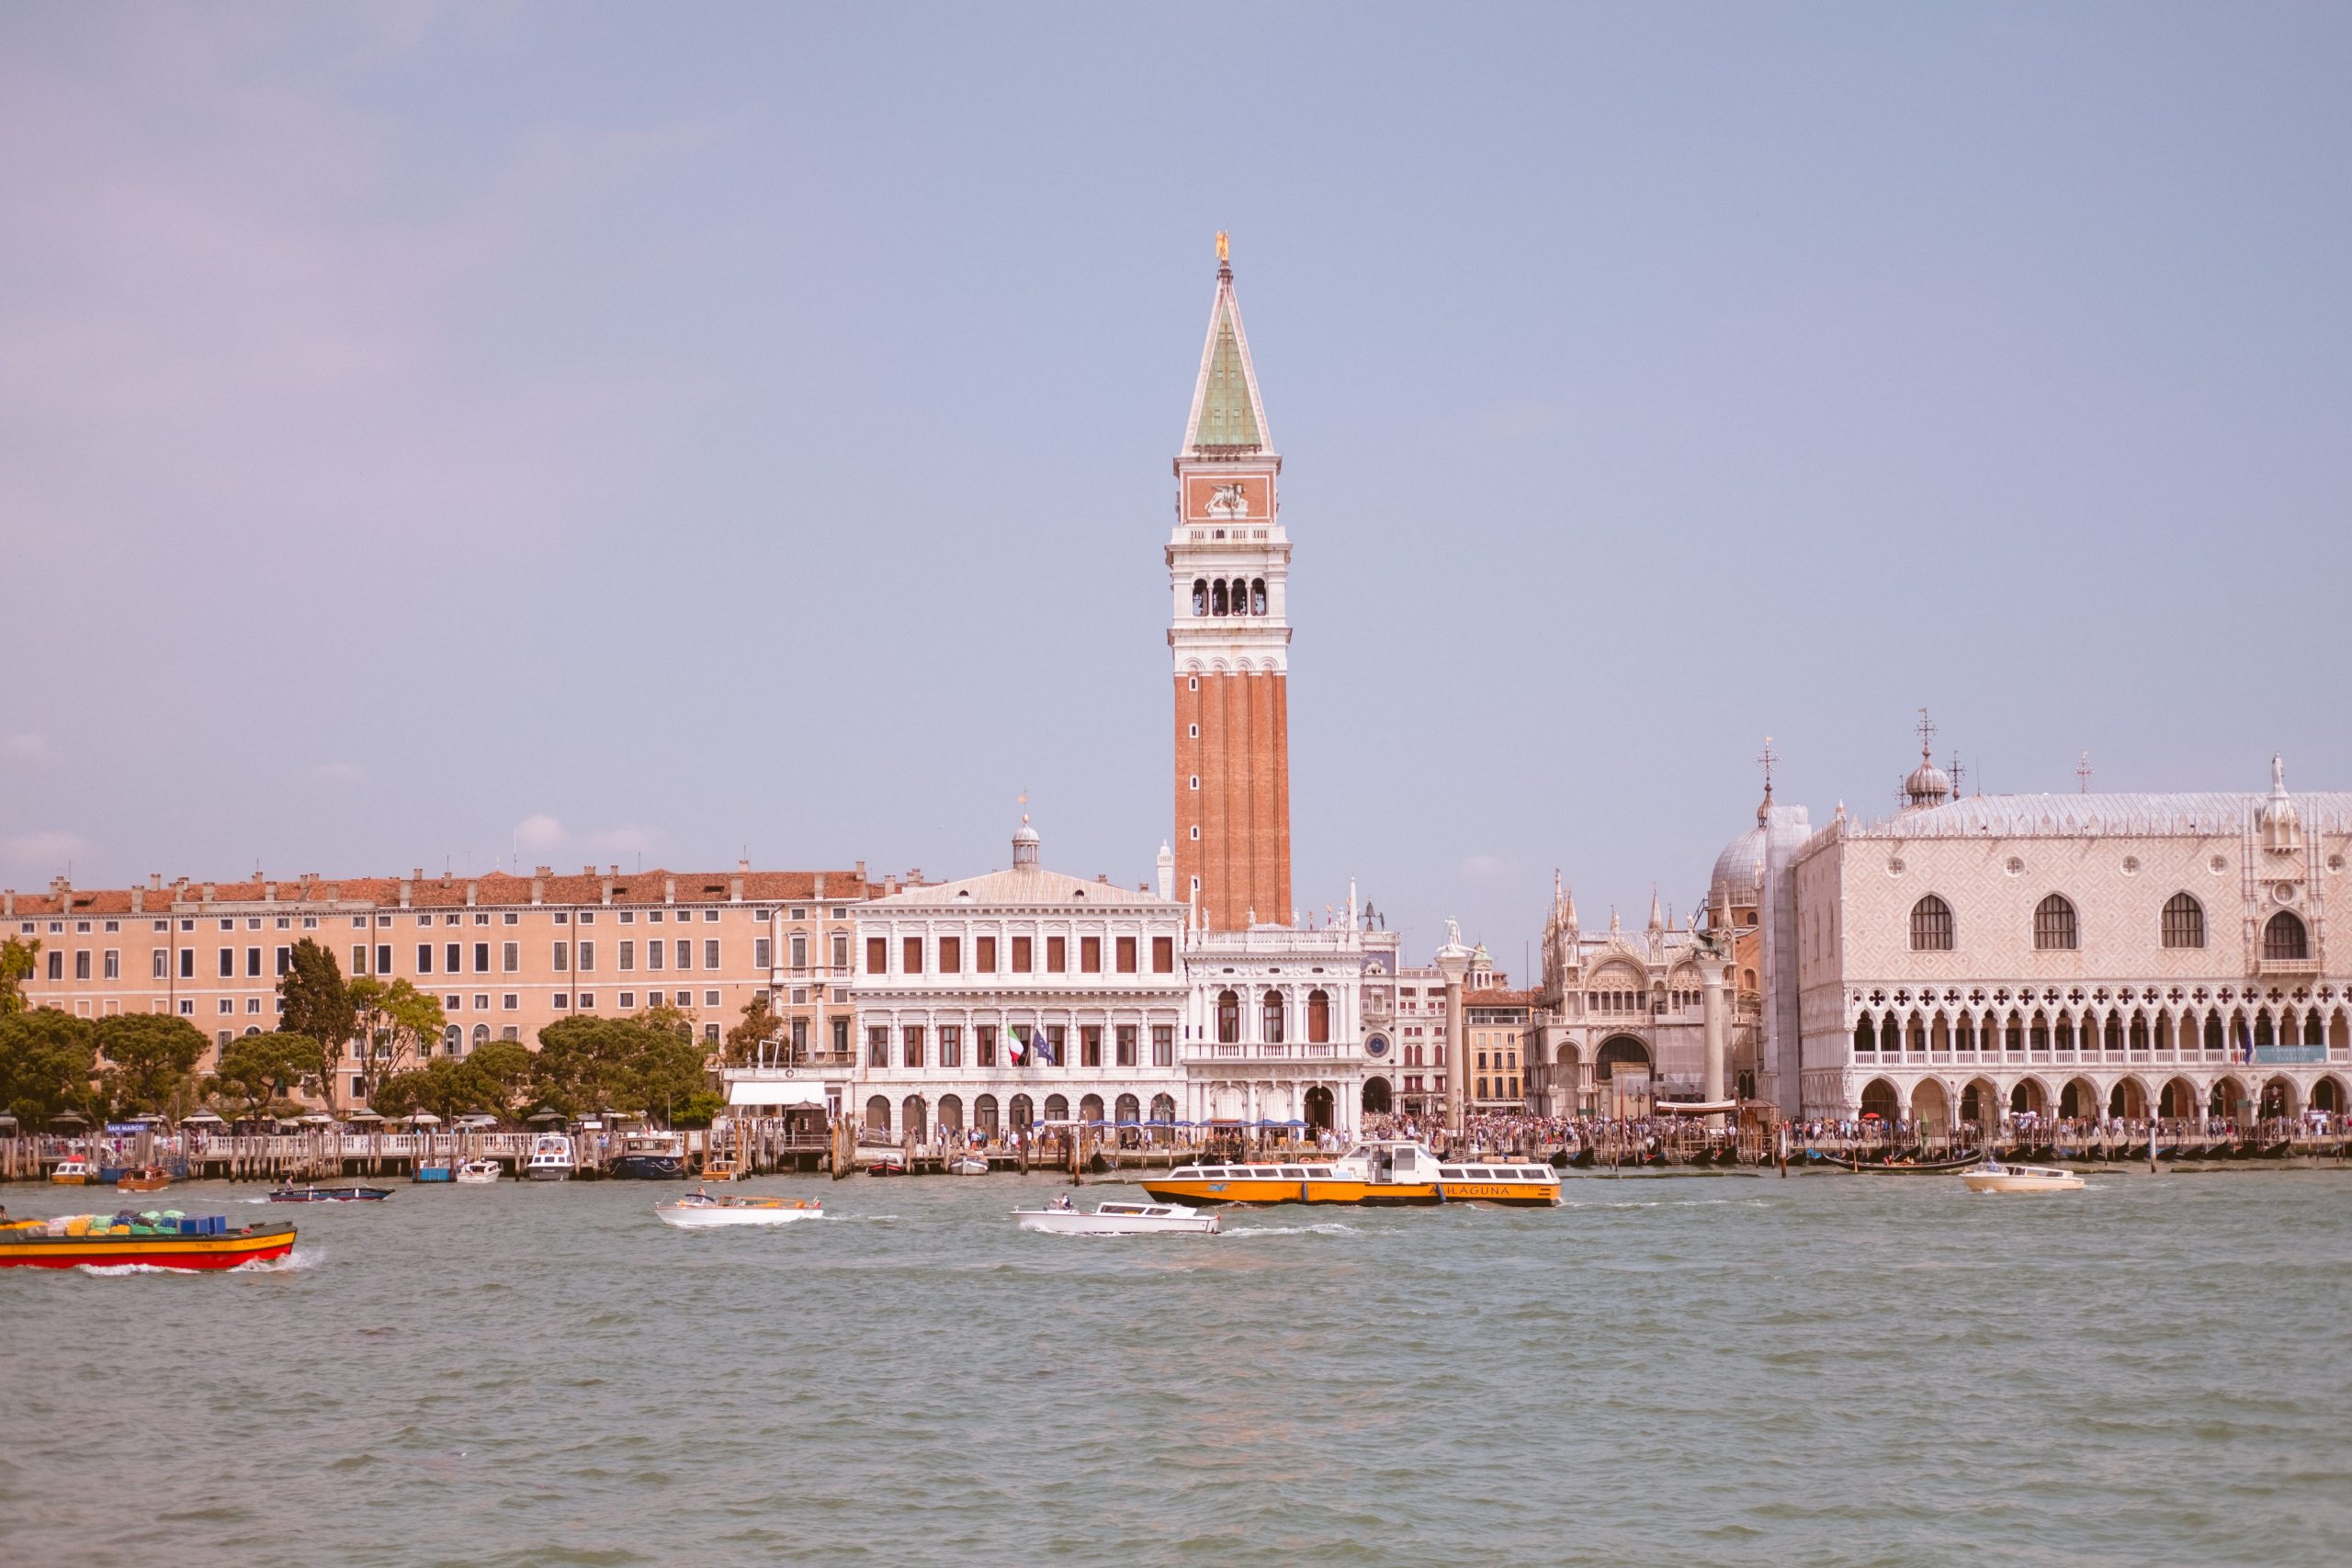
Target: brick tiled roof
[
  {"x": 498, "y": 888},
  {"x": 1498, "y": 998}
]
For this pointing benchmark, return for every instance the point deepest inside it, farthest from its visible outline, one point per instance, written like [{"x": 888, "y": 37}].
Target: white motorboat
[
  {"x": 1118, "y": 1218},
  {"x": 550, "y": 1159},
  {"x": 478, "y": 1173},
  {"x": 699, "y": 1210},
  {"x": 967, "y": 1165},
  {"x": 1994, "y": 1176}
]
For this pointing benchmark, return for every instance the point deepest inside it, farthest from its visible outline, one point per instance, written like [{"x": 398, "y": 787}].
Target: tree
[
  {"x": 314, "y": 1001},
  {"x": 649, "y": 1062},
  {"x": 47, "y": 1060},
  {"x": 761, "y": 1027},
  {"x": 393, "y": 1021},
  {"x": 16, "y": 967},
  {"x": 150, "y": 1055},
  {"x": 503, "y": 1071},
  {"x": 255, "y": 1069}
]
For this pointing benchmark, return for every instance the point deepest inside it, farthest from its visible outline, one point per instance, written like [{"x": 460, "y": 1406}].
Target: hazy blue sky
[{"x": 688, "y": 430}]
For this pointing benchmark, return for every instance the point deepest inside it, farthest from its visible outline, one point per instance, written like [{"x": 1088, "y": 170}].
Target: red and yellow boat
[
  {"x": 28, "y": 1244},
  {"x": 1379, "y": 1173}
]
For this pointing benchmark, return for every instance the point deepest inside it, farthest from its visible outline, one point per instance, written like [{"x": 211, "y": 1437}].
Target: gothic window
[
  {"x": 1318, "y": 1018},
  {"x": 1258, "y": 596},
  {"x": 2282, "y": 937},
  {"x": 1200, "y": 595},
  {"x": 1229, "y": 1018},
  {"x": 1273, "y": 1010},
  {"x": 1931, "y": 925},
  {"x": 2053, "y": 925},
  {"x": 1216, "y": 598},
  {"x": 2184, "y": 924}
]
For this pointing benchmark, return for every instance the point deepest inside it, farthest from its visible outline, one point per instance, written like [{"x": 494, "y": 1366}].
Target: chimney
[
  {"x": 669, "y": 890},
  {"x": 734, "y": 889},
  {"x": 333, "y": 892},
  {"x": 9, "y": 901},
  {"x": 208, "y": 893},
  {"x": 408, "y": 891},
  {"x": 743, "y": 865},
  {"x": 540, "y": 886},
  {"x": 587, "y": 871},
  {"x": 269, "y": 892},
  {"x": 1103, "y": 877},
  {"x": 890, "y": 886},
  {"x": 473, "y": 892},
  {"x": 820, "y": 893},
  {"x": 139, "y": 900},
  {"x": 417, "y": 875},
  {"x": 611, "y": 871},
  {"x": 59, "y": 886},
  {"x": 154, "y": 882},
  {"x": 861, "y": 874}
]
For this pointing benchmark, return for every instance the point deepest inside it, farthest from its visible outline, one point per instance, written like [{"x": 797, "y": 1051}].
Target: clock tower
[{"x": 1228, "y": 569}]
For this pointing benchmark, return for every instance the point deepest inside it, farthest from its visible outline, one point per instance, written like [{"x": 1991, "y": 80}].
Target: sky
[{"x": 431, "y": 437}]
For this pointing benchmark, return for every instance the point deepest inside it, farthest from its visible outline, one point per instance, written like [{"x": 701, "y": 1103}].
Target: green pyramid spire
[{"x": 1227, "y": 417}]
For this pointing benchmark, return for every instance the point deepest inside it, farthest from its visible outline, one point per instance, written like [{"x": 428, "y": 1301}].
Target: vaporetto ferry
[{"x": 1379, "y": 1172}]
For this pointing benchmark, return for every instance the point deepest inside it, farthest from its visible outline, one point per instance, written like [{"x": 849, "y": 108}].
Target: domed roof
[
  {"x": 1928, "y": 784},
  {"x": 1738, "y": 880}
]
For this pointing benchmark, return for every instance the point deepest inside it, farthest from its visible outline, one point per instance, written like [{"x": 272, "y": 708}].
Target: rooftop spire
[{"x": 1228, "y": 420}]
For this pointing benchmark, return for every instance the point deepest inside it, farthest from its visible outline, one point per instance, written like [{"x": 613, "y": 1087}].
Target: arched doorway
[
  {"x": 877, "y": 1115},
  {"x": 2279, "y": 1099},
  {"x": 913, "y": 1121},
  {"x": 1021, "y": 1113},
  {"x": 950, "y": 1113},
  {"x": 453, "y": 1041},
  {"x": 1980, "y": 1103},
  {"x": 984, "y": 1115},
  {"x": 2328, "y": 1095},
  {"x": 1090, "y": 1109},
  {"x": 2129, "y": 1100},
  {"x": 2079, "y": 1097},
  {"x": 1376, "y": 1097},
  {"x": 2228, "y": 1100},
  {"x": 1057, "y": 1107},
  {"x": 1163, "y": 1109},
  {"x": 1930, "y": 1106},
  {"x": 1127, "y": 1111},
  {"x": 1879, "y": 1099},
  {"x": 1620, "y": 1075},
  {"x": 2028, "y": 1097},
  {"x": 2178, "y": 1100},
  {"x": 1320, "y": 1109}
]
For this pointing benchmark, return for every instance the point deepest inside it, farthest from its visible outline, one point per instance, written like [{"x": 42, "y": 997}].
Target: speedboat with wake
[
  {"x": 1994, "y": 1176},
  {"x": 1117, "y": 1218},
  {"x": 1378, "y": 1172},
  {"x": 701, "y": 1211},
  {"x": 158, "y": 1241}
]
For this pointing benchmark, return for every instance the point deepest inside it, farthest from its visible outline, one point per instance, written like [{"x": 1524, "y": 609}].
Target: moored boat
[
  {"x": 1117, "y": 1218},
  {"x": 74, "y": 1172},
  {"x": 316, "y": 1194},
  {"x": 651, "y": 1157},
  {"x": 86, "y": 1240},
  {"x": 144, "y": 1178},
  {"x": 479, "y": 1173},
  {"x": 1994, "y": 1176},
  {"x": 700, "y": 1210},
  {"x": 550, "y": 1159},
  {"x": 1378, "y": 1172},
  {"x": 967, "y": 1165},
  {"x": 435, "y": 1170}
]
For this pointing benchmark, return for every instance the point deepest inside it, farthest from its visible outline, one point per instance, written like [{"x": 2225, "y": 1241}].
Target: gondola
[
  {"x": 1560, "y": 1160},
  {"x": 2279, "y": 1150},
  {"x": 1584, "y": 1159},
  {"x": 1920, "y": 1167}
]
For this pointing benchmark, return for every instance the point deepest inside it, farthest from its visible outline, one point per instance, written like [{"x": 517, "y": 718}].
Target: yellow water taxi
[{"x": 1379, "y": 1172}]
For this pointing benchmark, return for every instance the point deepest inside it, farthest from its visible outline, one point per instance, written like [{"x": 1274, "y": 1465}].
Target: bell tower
[{"x": 1228, "y": 569}]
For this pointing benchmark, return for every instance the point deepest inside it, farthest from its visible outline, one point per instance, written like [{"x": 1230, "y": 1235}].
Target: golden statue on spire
[{"x": 1221, "y": 257}]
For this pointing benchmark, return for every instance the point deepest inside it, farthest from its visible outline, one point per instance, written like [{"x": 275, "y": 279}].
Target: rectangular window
[
  {"x": 453, "y": 958},
  {"x": 709, "y": 951},
  {"x": 629, "y": 957},
  {"x": 984, "y": 1045},
  {"x": 840, "y": 1040},
  {"x": 951, "y": 1046},
  {"x": 877, "y": 955},
  {"x": 841, "y": 950},
  {"x": 187, "y": 964},
  {"x": 162, "y": 962},
  {"x": 911, "y": 1045},
  {"x": 587, "y": 958},
  {"x": 655, "y": 952},
  {"x": 562, "y": 956},
  {"x": 984, "y": 955},
  {"x": 1126, "y": 955},
  {"x": 226, "y": 962},
  {"x": 685, "y": 953},
  {"x": 710, "y": 998},
  {"x": 763, "y": 953},
  {"x": 509, "y": 956},
  {"x": 252, "y": 963},
  {"x": 878, "y": 1046},
  {"x": 1057, "y": 955},
  {"x": 1021, "y": 955},
  {"x": 383, "y": 959},
  {"x": 799, "y": 951},
  {"x": 508, "y": 1001},
  {"x": 82, "y": 965},
  {"x": 1163, "y": 1044},
  {"x": 425, "y": 958},
  {"x": 1163, "y": 956},
  {"x": 284, "y": 960},
  {"x": 1090, "y": 956},
  {"x": 1057, "y": 1042},
  {"x": 482, "y": 958},
  {"x": 560, "y": 1000},
  {"x": 951, "y": 955},
  {"x": 1090, "y": 1044},
  {"x": 910, "y": 955},
  {"x": 1126, "y": 1045}
]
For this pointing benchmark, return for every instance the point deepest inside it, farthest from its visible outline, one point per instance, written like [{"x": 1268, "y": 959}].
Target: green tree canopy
[
  {"x": 16, "y": 967},
  {"x": 47, "y": 1060},
  {"x": 394, "y": 1022},
  {"x": 314, "y": 1002},
  {"x": 150, "y": 1055},
  {"x": 650, "y": 1063},
  {"x": 761, "y": 1026},
  {"x": 255, "y": 1069}
]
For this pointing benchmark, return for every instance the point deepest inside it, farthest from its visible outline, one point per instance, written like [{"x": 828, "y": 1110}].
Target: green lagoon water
[{"x": 1817, "y": 1370}]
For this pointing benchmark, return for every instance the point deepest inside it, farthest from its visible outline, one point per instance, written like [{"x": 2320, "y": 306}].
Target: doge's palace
[{"x": 2075, "y": 955}]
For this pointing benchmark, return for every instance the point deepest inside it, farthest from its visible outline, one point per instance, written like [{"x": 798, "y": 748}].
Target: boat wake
[
  {"x": 1328, "y": 1227},
  {"x": 294, "y": 1262}
]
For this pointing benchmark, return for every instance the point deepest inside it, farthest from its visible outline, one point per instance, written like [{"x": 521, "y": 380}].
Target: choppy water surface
[{"x": 1730, "y": 1369}]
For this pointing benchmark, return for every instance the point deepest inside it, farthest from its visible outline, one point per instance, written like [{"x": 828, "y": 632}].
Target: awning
[
  {"x": 799, "y": 1092},
  {"x": 1695, "y": 1107}
]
